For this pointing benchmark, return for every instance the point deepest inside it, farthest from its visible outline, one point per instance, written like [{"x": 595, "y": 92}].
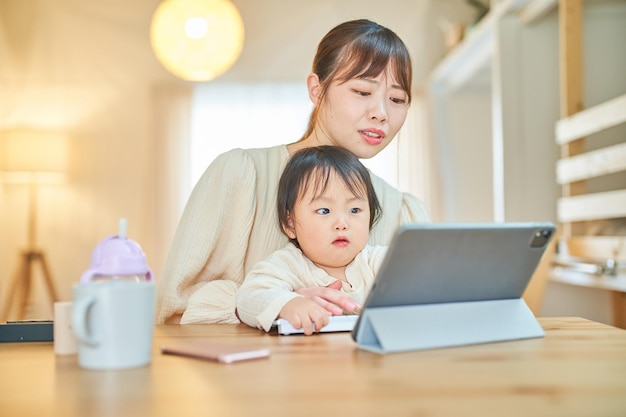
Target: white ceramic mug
[{"x": 113, "y": 323}]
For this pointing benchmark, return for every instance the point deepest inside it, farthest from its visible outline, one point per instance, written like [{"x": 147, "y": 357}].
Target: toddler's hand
[
  {"x": 330, "y": 298},
  {"x": 303, "y": 313}
]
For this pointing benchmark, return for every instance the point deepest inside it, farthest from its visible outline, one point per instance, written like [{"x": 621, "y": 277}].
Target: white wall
[{"x": 465, "y": 157}]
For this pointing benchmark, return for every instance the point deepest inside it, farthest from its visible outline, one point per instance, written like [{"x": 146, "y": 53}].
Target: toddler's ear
[{"x": 289, "y": 228}]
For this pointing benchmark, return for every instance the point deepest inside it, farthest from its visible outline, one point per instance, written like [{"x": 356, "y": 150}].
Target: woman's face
[{"x": 362, "y": 115}]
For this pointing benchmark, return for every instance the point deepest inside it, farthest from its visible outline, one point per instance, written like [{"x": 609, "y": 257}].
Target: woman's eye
[
  {"x": 398, "y": 100},
  {"x": 322, "y": 211},
  {"x": 362, "y": 93}
]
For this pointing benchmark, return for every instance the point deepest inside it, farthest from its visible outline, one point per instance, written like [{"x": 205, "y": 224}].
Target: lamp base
[{"x": 20, "y": 288}]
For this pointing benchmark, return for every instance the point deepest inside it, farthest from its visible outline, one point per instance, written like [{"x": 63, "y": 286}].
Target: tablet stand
[{"x": 429, "y": 326}]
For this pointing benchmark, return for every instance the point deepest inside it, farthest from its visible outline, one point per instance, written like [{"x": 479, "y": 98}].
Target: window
[
  {"x": 228, "y": 116},
  {"x": 254, "y": 115}
]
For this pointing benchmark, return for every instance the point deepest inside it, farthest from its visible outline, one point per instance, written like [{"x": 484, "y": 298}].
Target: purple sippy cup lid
[{"x": 117, "y": 255}]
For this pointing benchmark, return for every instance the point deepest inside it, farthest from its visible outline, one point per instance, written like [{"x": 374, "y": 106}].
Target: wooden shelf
[
  {"x": 603, "y": 282},
  {"x": 607, "y": 205},
  {"x": 582, "y": 207},
  {"x": 597, "y": 247},
  {"x": 592, "y": 164},
  {"x": 592, "y": 120}
]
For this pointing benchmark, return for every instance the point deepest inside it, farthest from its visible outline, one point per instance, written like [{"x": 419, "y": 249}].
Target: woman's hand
[
  {"x": 305, "y": 314},
  {"x": 330, "y": 298}
]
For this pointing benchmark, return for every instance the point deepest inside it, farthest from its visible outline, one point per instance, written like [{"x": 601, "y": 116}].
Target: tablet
[{"x": 457, "y": 262}]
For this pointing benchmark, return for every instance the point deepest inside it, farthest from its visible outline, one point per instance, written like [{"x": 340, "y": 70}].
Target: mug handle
[{"x": 79, "y": 320}]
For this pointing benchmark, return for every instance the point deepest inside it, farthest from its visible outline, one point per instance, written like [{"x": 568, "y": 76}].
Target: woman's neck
[{"x": 312, "y": 140}]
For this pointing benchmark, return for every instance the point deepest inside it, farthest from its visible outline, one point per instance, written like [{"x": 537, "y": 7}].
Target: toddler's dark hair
[{"x": 312, "y": 167}]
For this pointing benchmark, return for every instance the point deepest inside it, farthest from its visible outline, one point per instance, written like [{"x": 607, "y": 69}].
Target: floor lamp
[{"x": 31, "y": 158}]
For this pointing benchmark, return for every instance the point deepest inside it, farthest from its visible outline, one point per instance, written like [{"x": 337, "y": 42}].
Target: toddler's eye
[
  {"x": 322, "y": 211},
  {"x": 355, "y": 210}
]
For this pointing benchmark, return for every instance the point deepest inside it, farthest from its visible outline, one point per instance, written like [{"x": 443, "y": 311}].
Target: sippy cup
[
  {"x": 117, "y": 258},
  {"x": 113, "y": 306}
]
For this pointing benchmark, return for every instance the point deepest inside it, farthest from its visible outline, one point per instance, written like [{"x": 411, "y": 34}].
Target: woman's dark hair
[
  {"x": 359, "y": 49},
  {"x": 312, "y": 167}
]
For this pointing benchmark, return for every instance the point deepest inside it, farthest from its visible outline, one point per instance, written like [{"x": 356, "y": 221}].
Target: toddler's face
[{"x": 333, "y": 227}]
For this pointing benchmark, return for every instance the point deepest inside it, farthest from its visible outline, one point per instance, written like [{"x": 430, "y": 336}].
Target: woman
[{"x": 360, "y": 86}]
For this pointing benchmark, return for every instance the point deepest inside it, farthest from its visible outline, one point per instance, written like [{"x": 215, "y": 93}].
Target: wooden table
[{"x": 578, "y": 369}]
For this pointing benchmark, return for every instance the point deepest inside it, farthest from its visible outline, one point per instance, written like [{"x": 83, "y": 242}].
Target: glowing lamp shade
[
  {"x": 33, "y": 156},
  {"x": 197, "y": 40}
]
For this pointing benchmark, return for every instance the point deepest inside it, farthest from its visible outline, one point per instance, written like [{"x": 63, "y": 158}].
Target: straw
[{"x": 122, "y": 228}]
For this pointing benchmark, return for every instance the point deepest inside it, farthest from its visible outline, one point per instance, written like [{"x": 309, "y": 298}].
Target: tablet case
[
  {"x": 453, "y": 284},
  {"x": 215, "y": 351}
]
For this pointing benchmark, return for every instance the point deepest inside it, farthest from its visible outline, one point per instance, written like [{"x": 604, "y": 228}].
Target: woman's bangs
[
  {"x": 369, "y": 61},
  {"x": 362, "y": 62}
]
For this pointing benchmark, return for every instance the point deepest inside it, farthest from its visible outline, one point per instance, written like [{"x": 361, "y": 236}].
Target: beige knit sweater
[{"x": 230, "y": 223}]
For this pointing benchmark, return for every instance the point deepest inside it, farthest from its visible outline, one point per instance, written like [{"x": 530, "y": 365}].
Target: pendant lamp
[{"x": 197, "y": 40}]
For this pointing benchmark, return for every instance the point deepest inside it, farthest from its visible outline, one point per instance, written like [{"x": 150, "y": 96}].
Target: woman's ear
[
  {"x": 314, "y": 87},
  {"x": 289, "y": 228}
]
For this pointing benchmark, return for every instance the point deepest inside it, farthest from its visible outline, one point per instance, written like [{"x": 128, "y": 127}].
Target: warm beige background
[{"x": 86, "y": 67}]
